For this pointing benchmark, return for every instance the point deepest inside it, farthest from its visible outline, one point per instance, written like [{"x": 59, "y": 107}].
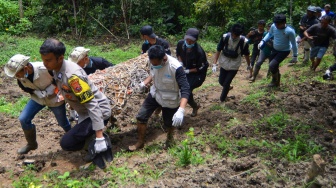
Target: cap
[
  {"x": 78, "y": 54},
  {"x": 311, "y": 8},
  {"x": 327, "y": 5},
  {"x": 192, "y": 34},
  {"x": 318, "y": 9},
  {"x": 15, "y": 64},
  {"x": 147, "y": 30},
  {"x": 279, "y": 18}
]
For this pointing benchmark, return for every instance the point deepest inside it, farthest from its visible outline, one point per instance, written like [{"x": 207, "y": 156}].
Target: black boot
[
  {"x": 275, "y": 80},
  {"x": 194, "y": 106},
  {"x": 255, "y": 74},
  {"x": 31, "y": 141}
]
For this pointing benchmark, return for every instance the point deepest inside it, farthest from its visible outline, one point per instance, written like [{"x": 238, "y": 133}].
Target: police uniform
[{"x": 92, "y": 106}]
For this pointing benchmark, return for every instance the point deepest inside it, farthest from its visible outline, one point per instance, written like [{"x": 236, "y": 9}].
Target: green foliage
[
  {"x": 21, "y": 27},
  {"x": 28, "y": 178},
  {"x": 276, "y": 122},
  {"x": 11, "y": 109},
  {"x": 65, "y": 180},
  {"x": 122, "y": 176},
  {"x": 300, "y": 148},
  {"x": 187, "y": 154},
  {"x": 254, "y": 98},
  {"x": 9, "y": 14}
]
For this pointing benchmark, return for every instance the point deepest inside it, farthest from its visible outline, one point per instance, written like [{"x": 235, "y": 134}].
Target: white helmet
[
  {"x": 15, "y": 64},
  {"x": 78, "y": 54}
]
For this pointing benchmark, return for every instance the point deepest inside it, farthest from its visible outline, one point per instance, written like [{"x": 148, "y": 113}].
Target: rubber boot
[
  {"x": 141, "y": 138},
  {"x": 255, "y": 74},
  {"x": 275, "y": 80},
  {"x": 194, "y": 106},
  {"x": 268, "y": 74},
  {"x": 194, "y": 111},
  {"x": 31, "y": 141},
  {"x": 170, "y": 138}
]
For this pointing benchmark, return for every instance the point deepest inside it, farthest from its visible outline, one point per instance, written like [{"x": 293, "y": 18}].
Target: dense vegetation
[{"x": 122, "y": 19}]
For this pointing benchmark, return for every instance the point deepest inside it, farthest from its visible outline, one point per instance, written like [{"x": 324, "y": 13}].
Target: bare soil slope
[{"x": 309, "y": 102}]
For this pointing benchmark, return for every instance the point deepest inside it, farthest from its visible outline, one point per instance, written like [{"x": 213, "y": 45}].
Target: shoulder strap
[
  {"x": 226, "y": 40},
  {"x": 240, "y": 44}
]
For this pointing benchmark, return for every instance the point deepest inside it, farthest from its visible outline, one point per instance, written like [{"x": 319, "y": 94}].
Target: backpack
[{"x": 232, "y": 53}]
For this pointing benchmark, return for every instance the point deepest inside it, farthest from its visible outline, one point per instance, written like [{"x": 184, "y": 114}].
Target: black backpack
[{"x": 232, "y": 53}]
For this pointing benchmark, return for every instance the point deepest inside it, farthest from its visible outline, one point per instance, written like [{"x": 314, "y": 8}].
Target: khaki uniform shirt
[
  {"x": 82, "y": 95},
  {"x": 42, "y": 79}
]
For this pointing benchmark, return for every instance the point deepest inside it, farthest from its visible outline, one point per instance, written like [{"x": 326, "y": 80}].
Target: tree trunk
[
  {"x": 75, "y": 14},
  {"x": 21, "y": 8}
]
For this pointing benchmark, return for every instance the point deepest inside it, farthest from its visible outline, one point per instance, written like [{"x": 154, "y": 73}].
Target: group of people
[{"x": 57, "y": 81}]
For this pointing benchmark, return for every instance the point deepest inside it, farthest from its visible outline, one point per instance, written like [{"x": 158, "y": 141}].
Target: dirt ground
[{"x": 310, "y": 102}]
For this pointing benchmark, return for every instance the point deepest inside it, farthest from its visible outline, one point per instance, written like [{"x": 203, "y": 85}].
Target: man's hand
[
  {"x": 40, "y": 94},
  {"x": 178, "y": 117},
  {"x": 141, "y": 87},
  {"x": 187, "y": 71},
  {"x": 73, "y": 115},
  {"x": 50, "y": 89},
  {"x": 327, "y": 75},
  {"x": 214, "y": 67},
  {"x": 261, "y": 44},
  {"x": 100, "y": 145}
]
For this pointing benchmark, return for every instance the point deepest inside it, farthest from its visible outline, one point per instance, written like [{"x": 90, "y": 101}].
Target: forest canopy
[{"x": 124, "y": 18}]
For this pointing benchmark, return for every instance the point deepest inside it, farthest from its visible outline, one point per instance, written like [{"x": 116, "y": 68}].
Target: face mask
[
  {"x": 189, "y": 45},
  {"x": 84, "y": 66},
  {"x": 157, "y": 66},
  {"x": 146, "y": 42},
  {"x": 26, "y": 74}
]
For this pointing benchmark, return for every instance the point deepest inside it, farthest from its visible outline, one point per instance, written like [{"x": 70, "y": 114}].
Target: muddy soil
[{"x": 310, "y": 102}]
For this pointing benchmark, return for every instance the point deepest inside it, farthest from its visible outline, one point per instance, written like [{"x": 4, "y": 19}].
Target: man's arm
[{"x": 183, "y": 84}]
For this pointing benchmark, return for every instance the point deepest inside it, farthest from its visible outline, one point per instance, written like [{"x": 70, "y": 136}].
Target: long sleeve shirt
[{"x": 284, "y": 39}]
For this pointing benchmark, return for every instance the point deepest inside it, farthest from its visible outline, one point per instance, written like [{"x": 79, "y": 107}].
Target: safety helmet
[{"x": 15, "y": 64}]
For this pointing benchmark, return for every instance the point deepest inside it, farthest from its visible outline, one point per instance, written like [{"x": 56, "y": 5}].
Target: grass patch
[
  {"x": 30, "y": 46},
  {"x": 297, "y": 149},
  {"x": 11, "y": 109},
  {"x": 254, "y": 98}
]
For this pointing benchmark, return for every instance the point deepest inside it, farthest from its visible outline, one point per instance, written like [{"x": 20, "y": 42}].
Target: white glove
[
  {"x": 178, "y": 117},
  {"x": 186, "y": 71},
  {"x": 100, "y": 145},
  {"x": 40, "y": 94},
  {"x": 141, "y": 87},
  {"x": 214, "y": 67},
  {"x": 50, "y": 89},
  {"x": 294, "y": 60},
  {"x": 73, "y": 115},
  {"x": 249, "y": 67},
  {"x": 328, "y": 72},
  {"x": 261, "y": 43}
]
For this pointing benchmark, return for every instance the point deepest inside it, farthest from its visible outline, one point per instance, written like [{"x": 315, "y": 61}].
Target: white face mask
[{"x": 84, "y": 66}]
